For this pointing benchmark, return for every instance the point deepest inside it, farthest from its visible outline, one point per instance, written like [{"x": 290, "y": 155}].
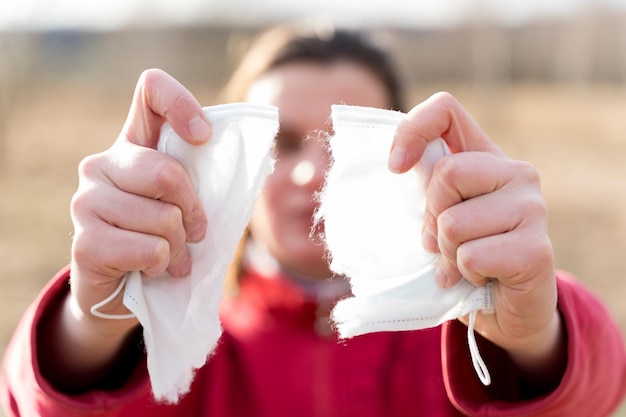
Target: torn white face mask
[
  {"x": 180, "y": 315},
  {"x": 372, "y": 230}
]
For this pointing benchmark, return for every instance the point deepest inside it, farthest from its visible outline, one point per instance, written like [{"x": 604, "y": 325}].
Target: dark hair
[{"x": 317, "y": 44}]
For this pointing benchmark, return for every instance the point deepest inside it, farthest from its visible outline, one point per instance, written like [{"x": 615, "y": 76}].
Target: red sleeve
[
  {"x": 23, "y": 390},
  {"x": 594, "y": 382}
]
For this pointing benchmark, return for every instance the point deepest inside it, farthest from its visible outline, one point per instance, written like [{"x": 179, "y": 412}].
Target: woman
[{"x": 135, "y": 209}]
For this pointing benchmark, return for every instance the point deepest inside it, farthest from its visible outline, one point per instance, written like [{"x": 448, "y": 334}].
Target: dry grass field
[{"x": 573, "y": 134}]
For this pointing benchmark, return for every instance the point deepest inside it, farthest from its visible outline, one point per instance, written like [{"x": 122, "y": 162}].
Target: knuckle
[
  {"x": 444, "y": 99},
  {"x": 166, "y": 174},
  {"x": 157, "y": 258},
  {"x": 86, "y": 249},
  {"x": 467, "y": 260},
  {"x": 446, "y": 170},
  {"x": 150, "y": 77},
  {"x": 543, "y": 250},
  {"x": 78, "y": 204},
  {"x": 83, "y": 202},
  {"x": 533, "y": 208},
  {"x": 538, "y": 207},
  {"x": 449, "y": 226},
  {"x": 90, "y": 166},
  {"x": 79, "y": 198},
  {"x": 535, "y": 254},
  {"x": 527, "y": 172},
  {"x": 170, "y": 218},
  {"x": 80, "y": 250}
]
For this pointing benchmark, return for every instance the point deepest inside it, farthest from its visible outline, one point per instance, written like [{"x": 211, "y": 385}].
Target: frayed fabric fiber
[
  {"x": 179, "y": 316},
  {"x": 372, "y": 231}
]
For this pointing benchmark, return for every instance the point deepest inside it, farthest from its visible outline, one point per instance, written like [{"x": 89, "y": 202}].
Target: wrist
[
  {"x": 543, "y": 358},
  {"x": 76, "y": 350},
  {"x": 85, "y": 327}
]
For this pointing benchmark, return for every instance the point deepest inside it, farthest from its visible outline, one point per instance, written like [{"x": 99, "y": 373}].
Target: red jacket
[{"x": 272, "y": 362}]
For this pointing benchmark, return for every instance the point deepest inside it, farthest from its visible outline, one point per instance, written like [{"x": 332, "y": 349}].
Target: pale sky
[{"x": 114, "y": 14}]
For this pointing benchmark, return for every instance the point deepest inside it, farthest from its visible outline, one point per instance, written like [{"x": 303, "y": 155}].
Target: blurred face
[{"x": 304, "y": 92}]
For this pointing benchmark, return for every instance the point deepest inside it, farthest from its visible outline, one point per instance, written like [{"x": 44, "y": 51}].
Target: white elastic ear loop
[
  {"x": 477, "y": 360},
  {"x": 95, "y": 307}
]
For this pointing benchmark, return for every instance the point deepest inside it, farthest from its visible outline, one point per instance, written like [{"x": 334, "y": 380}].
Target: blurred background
[{"x": 546, "y": 81}]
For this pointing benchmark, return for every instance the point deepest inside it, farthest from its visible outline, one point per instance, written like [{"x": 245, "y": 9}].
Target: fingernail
[
  {"x": 197, "y": 232},
  {"x": 199, "y": 129},
  {"x": 441, "y": 277},
  {"x": 184, "y": 268},
  {"x": 397, "y": 159},
  {"x": 429, "y": 241}
]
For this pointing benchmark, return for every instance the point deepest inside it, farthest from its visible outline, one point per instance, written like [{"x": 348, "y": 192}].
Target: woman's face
[{"x": 303, "y": 93}]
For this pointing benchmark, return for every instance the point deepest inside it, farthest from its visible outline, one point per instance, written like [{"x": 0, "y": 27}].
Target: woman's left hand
[{"x": 486, "y": 216}]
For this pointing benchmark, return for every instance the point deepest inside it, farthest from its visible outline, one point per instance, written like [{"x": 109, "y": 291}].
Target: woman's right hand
[
  {"x": 135, "y": 207},
  {"x": 134, "y": 210}
]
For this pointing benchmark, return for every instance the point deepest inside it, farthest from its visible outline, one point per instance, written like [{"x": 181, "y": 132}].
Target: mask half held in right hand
[{"x": 372, "y": 222}]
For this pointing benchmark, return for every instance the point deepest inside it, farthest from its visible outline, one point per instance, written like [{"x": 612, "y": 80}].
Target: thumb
[
  {"x": 158, "y": 98},
  {"x": 441, "y": 115}
]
